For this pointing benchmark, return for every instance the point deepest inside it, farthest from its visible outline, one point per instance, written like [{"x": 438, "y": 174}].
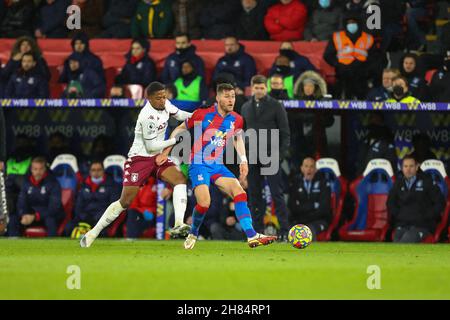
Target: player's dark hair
[
  {"x": 94, "y": 161},
  {"x": 224, "y": 87},
  {"x": 183, "y": 34},
  {"x": 258, "y": 79},
  {"x": 154, "y": 87},
  {"x": 409, "y": 157}
]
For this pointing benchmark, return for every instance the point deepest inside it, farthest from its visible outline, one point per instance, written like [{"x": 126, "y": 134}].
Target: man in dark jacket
[
  {"x": 411, "y": 70},
  {"x": 237, "y": 62},
  {"x": 184, "y": 51},
  {"x": 117, "y": 19},
  {"x": 218, "y": 17},
  {"x": 298, "y": 63},
  {"x": 83, "y": 79},
  {"x": 250, "y": 25},
  {"x": 415, "y": 204},
  {"x": 51, "y": 19},
  {"x": 440, "y": 84},
  {"x": 27, "y": 82},
  {"x": 310, "y": 198},
  {"x": 325, "y": 19},
  {"x": 264, "y": 112},
  {"x": 186, "y": 15},
  {"x": 80, "y": 44},
  {"x": 18, "y": 19},
  {"x": 39, "y": 201},
  {"x": 139, "y": 68},
  {"x": 95, "y": 195},
  {"x": 384, "y": 92}
]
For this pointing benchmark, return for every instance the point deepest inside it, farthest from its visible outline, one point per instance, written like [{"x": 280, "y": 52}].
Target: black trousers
[{"x": 258, "y": 205}]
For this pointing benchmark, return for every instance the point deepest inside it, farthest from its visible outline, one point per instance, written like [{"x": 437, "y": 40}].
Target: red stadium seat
[
  {"x": 338, "y": 185},
  {"x": 35, "y": 232},
  {"x": 370, "y": 192}
]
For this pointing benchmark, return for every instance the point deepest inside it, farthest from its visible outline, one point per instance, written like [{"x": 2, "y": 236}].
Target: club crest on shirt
[{"x": 134, "y": 177}]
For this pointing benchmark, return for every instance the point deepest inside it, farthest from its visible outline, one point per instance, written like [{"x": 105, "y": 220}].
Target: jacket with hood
[
  {"x": 417, "y": 84},
  {"x": 93, "y": 86},
  {"x": 323, "y": 22},
  {"x": 52, "y": 19},
  {"x": 117, "y": 19},
  {"x": 27, "y": 85},
  {"x": 218, "y": 17},
  {"x": 172, "y": 65},
  {"x": 320, "y": 84},
  {"x": 286, "y": 22},
  {"x": 298, "y": 64},
  {"x": 139, "y": 71},
  {"x": 88, "y": 60},
  {"x": 240, "y": 64}
]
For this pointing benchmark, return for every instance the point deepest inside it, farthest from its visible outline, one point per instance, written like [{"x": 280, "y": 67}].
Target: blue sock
[
  {"x": 243, "y": 214},
  {"x": 198, "y": 215}
]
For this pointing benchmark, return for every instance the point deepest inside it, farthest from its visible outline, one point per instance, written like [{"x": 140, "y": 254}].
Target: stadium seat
[
  {"x": 136, "y": 91},
  {"x": 370, "y": 193},
  {"x": 338, "y": 184},
  {"x": 437, "y": 171},
  {"x": 113, "y": 165}
]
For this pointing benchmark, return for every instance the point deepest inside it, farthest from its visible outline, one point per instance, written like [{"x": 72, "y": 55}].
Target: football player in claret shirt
[
  {"x": 218, "y": 125},
  {"x": 143, "y": 162}
]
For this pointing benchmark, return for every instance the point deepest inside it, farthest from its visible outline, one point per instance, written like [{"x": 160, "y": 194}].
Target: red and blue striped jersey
[{"x": 216, "y": 131}]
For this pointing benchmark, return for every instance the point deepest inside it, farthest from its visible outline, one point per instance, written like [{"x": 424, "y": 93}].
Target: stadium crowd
[{"x": 367, "y": 73}]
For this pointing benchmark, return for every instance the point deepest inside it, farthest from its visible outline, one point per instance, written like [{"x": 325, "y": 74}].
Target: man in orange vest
[{"x": 350, "y": 51}]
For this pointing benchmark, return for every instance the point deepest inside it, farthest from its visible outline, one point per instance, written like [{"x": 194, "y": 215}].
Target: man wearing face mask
[
  {"x": 283, "y": 68},
  {"x": 351, "y": 52},
  {"x": 278, "y": 91},
  {"x": 400, "y": 92},
  {"x": 297, "y": 62},
  {"x": 95, "y": 195},
  {"x": 184, "y": 50},
  {"x": 325, "y": 19},
  {"x": 440, "y": 84},
  {"x": 383, "y": 92}
]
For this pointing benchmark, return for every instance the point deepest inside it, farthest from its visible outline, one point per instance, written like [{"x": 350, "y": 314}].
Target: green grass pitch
[{"x": 121, "y": 269}]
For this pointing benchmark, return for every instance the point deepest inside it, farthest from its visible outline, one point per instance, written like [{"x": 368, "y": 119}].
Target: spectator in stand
[
  {"x": 184, "y": 50},
  {"x": 351, "y": 52},
  {"x": 422, "y": 148},
  {"x": 152, "y": 19},
  {"x": 383, "y": 92},
  {"x": 92, "y": 12},
  {"x": 57, "y": 144},
  {"x": 139, "y": 67},
  {"x": 218, "y": 18},
  {"x": 236, "y": 62},
  {"x": 379, "y": 143},
  {"x": 250, "y": 25},
  {"x": 117, "y": 19},
  {"x": 310, "y": 86},
  {"x": 190, "y": 86},
  {"x": 39, "y": 201},
  {"x": 416, "y": 10},
  {"x": 286, "y": 20},
  {"x": 21, "y": 46},
  {"x": 94, "y": 196},
  {"x": 27, "y": 82},
  {"x": 80, "y": 44},
  {"x": 83, "y": 82},
  {"x": 412, "y": 71},
  {"x": 391, "y": 21},
  {"x": 415, "y": 204},
  {"x": 277, "y": 84},
  {"x": 117, "y": 92},
  {"x": 400, "y": 92},
  {"x": 226, "y": 227},
  {"x": 325, "y": 19},
  {"x": 298, "y": 63},
  {"x": 310, "y": 200},
  {"x": 186, "y": 14},
  {"x": 18, "y": 19},
  {"x": 283, "y": 68},
  {"x": 51, "y": 19},
  {"x": 440, "y": 83}
]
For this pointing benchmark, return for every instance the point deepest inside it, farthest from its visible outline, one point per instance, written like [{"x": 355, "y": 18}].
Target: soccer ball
[{"x": 300, "y": 236}]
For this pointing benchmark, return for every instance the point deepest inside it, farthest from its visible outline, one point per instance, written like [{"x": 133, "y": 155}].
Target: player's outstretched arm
[
  {"x": 182, "y": 115},
  {"x": 175, "y": 136},
  {"x": 240, "y": 149}
]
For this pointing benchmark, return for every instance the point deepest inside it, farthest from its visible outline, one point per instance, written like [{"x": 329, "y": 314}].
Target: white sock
[
  {"x": 179, "y": 203},
  {"x": 111, "y": 214}
]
